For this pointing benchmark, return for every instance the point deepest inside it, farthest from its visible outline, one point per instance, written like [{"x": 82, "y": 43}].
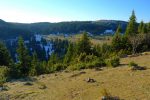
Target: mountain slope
[
  {"x": 10, "y": 30},
  {"x": 120, "y": 81}
]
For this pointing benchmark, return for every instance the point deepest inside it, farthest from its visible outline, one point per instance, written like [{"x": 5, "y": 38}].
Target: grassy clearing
[
  {"x": 74, "y": 38},
  {"x": 119, "y": 81}
]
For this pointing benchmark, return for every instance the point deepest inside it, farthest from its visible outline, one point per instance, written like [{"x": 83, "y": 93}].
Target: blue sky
[{"x": 28, "y": 11}]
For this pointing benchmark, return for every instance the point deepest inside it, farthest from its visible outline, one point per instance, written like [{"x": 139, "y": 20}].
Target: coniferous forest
[{"x": 22, "y": 58}]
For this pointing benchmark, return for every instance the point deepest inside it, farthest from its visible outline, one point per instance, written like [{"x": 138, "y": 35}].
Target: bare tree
[{"x": 136, "y": 40}]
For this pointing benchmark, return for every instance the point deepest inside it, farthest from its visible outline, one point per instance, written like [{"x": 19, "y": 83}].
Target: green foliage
[
  {"x": 132, "y": 26},
  {"x": 114, "y": 61},
  {"x": 87, "y": 61},
  {"x": 148, "y": 27},
  {"x": 4, "y": 74},
  {"x": 53, "y": 59},
  {"x": 132, "y": 63},
  {"x": 140, "y": 27},
  {"x": 59, "y": 67},
  {"x": 43, "y": 68},
  {"x": 34, "y": 65},
  {"x": 5, "y": 58},
  {"x": 23, "y": 57},
  {"x": 144, "y": 29},
  {"x": 77, "y": 66},
  {"x": 99, "y": 62},
  {"x": 69, "y": 55},
  {"x": 84, "y": 45},
  {"x": 117, "y": 40},
  {"x": 106, "y": 50},
  {"x": 15, "y": 71}
]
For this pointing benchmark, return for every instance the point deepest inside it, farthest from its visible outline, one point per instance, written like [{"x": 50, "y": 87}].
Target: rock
[
  {"x": 4, "y": 88},
  {"x": 138, "y": 68},
  {"x": 1, "y": 88},
  {"x": 28, "y": 83},
  {"x": 90, "y": 80},
  {"x": 78, "y": 74},
  {"x": 98, "y": 69},
  {"x": 109, "y": 98}
]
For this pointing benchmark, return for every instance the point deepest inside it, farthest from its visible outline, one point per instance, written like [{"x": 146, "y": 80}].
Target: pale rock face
[
  {"x": 41, "y": 45},
  {"x": 109, "y": 31},
  {"x": 90, "y": 34},
  {"x": 26, "y": 41},
  {"x": 31, "y": 49},
  {"x": 38, "y": 38},
  {"x": 16, "y": 56},
  {"x": 48, "y": 49}
]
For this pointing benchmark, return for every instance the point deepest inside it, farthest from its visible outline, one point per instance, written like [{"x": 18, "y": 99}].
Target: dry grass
[
  {"x": 120, "y": 81},
  {"x": 75, "y": 38}
]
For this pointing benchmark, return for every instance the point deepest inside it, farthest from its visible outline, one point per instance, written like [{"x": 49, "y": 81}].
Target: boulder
[{"x": 90, "y": 80}]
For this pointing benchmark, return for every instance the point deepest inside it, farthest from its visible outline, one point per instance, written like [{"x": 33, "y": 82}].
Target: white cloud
[{"x": 16, "y": 15}]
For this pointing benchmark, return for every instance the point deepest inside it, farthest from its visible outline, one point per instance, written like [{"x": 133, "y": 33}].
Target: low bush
[
  {"x": 114, "y": 61},
  {"x": 41, "y": 85},
  {"x": 59, "y": 66},
  {"x": 135, "y": 66},
  {"x": 132, "y": 63},
  {"x": 4, "y": 74},
  {"x": 96, "y": 63},
  {"x": 77, "y": 66}
]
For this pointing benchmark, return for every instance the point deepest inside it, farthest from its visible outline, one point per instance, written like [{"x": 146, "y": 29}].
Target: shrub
[
  {"x": 4, "y": 73},
  {"x": 59, "y": 66},
  {"x": 135, "y": 66},
  {"x": 114, "y": 61},
  {"x": 77, "y": 66},
  {"x": 96, "y": 63},
  {"x": 132, "y": 63},
  {"x": 41, "y": 85}
]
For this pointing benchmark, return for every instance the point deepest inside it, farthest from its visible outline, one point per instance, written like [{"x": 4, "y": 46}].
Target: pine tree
[
  {"x": 52, "y": 61},
  {"x": 140, "y": 27},
  {"x": 69, "y": 54},
  {"x": 117, "y": 39},
  {"x": 23, "y": 57},
  {"x": 84, "y": 45},
  {"x": 5, "y": 58},
  {"x": 132, "y": 25},
  {"x": 148, "y": 28},
  {"x": 144, "y": 29},
  {"x": 34, "y": 65}
]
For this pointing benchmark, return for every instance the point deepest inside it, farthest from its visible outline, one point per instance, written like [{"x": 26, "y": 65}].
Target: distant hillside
[{"x": 11, "y": 30}]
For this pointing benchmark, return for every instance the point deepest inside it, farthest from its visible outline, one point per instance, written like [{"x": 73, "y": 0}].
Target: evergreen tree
[
  {"x": 144, "y": 29},
  {"x": 53, "y": 58},
  {"x": 84, "y": 45},
  {"x": 23, "y": 57},
  {"x": 34, "y": 65},
  {"x": 5, "y": 58},
  {"x": 132, "y": 25},
  {"x": 69, "y": 54},
  {"x": 148, "y": 27},
  {"x": 52, "y": 61},
  {"x": 140, "y": 27},
  {"x": 117, "y": 39}
]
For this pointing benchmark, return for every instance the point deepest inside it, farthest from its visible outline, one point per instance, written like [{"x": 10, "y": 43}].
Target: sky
[{"x": 29, "y": 11}]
